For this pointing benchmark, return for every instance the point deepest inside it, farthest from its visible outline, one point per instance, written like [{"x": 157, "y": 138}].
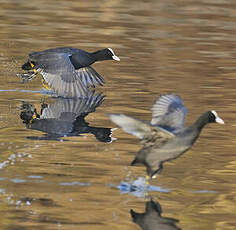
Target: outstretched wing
[
  {"x": 168, "y": 112},
  {"x": 89, "y": 76},
  {"x": 140, "y": 129},
  {"x": 59, "y": 73}
]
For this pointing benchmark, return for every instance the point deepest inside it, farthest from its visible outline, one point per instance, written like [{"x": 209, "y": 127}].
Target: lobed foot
[{"x": 26, "y": 76}]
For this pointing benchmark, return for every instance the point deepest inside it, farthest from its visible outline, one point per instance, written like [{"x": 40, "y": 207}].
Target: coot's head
[
  {"x": 213, "y": 117},
  {"x": 105, "y": 54},
  {"x": 111, "y": 54}
]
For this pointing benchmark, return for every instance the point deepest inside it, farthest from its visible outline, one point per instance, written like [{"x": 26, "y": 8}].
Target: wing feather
[
  {"x": 168, "y": 112},
  {"x": 90, "y": 77},
  {"x": 139, "y": 128},
  {"x": 60, "y": 74}
]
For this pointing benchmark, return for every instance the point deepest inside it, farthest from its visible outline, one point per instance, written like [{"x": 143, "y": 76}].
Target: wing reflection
[
  {"x": 64, "y": 117},
  {"x": 152, "y": 219}
]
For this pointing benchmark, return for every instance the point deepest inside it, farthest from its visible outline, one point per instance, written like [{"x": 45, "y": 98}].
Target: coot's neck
[
  {"x": 99, "y": 55},
  {"x": 201, "y": 121}
]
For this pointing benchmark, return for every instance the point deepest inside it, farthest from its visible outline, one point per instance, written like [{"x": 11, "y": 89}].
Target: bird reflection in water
[
  {"x": 152, "y": 219},
  {"x": 65, "y": 117}
]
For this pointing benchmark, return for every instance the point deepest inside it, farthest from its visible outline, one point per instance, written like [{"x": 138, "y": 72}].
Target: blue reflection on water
[
  {"x": 140, "y": 188},
  {"x": 74, "y": 183},
  {"x": 42, "y": 91},
  {"x": 18, "y": 180}
]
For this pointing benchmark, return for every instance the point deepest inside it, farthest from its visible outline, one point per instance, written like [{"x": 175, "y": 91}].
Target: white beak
[
  {"x": 116, "y": 58},
  {"x": 218, "y": 119}
]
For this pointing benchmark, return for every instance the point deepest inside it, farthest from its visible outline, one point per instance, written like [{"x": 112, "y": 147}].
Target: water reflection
[
  {"x": 64, "y": 117},
  {"x": 139, "y": 187},
  {"x": 183, "y": 46},
  {"x": 152, "y": 219}
]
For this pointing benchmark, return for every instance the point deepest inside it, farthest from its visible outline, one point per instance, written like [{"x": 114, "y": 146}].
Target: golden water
[{"x": 184, "y": 47}]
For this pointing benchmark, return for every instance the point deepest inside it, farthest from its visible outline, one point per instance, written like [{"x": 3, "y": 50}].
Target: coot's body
[
  {"x": 66, "y": 70},
  {"x": 165, "y": 138}
]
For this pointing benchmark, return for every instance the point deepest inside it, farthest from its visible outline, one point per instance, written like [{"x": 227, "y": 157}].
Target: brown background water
[{"x": 184, "y": 47}]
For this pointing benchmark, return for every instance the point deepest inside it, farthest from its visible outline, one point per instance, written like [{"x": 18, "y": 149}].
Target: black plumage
[{"x": 66, "y": 70}]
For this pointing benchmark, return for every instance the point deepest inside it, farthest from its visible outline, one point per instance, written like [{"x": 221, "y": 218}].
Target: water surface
[{"x": 74, "y": 181}]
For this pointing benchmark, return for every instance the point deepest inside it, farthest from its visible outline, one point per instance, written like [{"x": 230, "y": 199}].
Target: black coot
[
  {"x": 165, "y": 138},
  {"x": 66, "y": 70}
]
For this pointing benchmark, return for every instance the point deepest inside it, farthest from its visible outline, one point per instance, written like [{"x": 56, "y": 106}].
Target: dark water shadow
[
  {"x": 64, "y": 118},
  {"x": 152, "y": 218}
]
